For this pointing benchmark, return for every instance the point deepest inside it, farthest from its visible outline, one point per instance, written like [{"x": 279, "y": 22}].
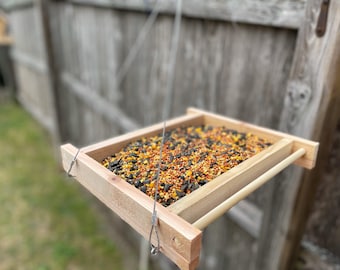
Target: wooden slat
[
  {"x": 16, "y": 4},
  {"x": 307, "y": 161},
  {"x": 180, "y": 241},
  {"x": 195, "y": 205},
  {"x": 288, "y": 13},
  {"x": 28, "y": 61},
  {"x": 46, "y": 122},
  {"x": 31, "y": 54},
  {"x": 34, "y": 95},
  {"x": 248, "y": 216},
  {"x": 98, "y": 103}
]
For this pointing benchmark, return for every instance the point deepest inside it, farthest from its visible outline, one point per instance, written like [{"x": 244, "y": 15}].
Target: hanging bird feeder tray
[{"x": 180, "y": 224}]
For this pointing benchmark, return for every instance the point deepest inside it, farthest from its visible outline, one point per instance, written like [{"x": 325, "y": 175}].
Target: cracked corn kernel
[{"x": 192, "y": 156}]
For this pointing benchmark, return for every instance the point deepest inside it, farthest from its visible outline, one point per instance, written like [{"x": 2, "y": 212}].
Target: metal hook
[
  {"x": 321, "y": 25},
  {"x": 72, "y": 163},
  {"x": 154, "y": 250}
]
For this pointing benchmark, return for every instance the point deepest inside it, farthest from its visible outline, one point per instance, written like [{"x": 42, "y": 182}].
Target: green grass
[{"x": 45, "y": 221}]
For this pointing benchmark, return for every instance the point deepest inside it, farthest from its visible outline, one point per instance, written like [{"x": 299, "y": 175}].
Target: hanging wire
[
  {"x": 166, "y": 113},
  {"x": 153, "y": 13},
  {"x": 137, "y": 45},
  {"x": 167, "y": 102}
]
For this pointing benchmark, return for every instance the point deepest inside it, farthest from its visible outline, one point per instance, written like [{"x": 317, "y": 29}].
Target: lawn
[{"x": 45, "y": 221}]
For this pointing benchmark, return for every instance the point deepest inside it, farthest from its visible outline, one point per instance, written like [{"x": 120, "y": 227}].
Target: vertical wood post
[
  {"x": 44, "y": 16},
  {"x": 311, "y": 111}
]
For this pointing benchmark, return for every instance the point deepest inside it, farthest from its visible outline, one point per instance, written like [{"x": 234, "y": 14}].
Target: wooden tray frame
[{"x": 180, "y": 224}]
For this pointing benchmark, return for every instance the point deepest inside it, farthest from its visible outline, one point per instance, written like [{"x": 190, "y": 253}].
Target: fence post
[
  {"x": 311, "y": 110},
  {"x": 44, "y": 14}
]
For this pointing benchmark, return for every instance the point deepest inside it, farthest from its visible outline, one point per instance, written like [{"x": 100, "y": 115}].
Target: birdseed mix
[{"x": 192, "y": 156}]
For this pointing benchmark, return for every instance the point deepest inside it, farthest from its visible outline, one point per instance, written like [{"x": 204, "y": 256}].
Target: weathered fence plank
[
  {"x": 312, "y": 92},
  {"x": 215, "y": 255},
  {"x": 31, "y": 97},
  {"x": 98, "y": 104},
  {"x": 150, "y": 79},
  {"x": 287, "y": 13},
  {"x": 248, "y": 217},
  {"x": 47, "y": 49},
  {"x": 16, "y": 4},
  {"x": 28, "y": 61},
  {"x": 29, "y": 55}
]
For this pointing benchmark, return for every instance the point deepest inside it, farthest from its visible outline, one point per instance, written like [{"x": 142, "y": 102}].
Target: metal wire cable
[
  {"x": 137, "y": 45},
  {"x": 168, "y": 95},
  {"x": 166, "y": 113}
]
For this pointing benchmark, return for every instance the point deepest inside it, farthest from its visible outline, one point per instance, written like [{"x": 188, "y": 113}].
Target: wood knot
[
  {"x": 297, "y": 99},
  {"x": 176, "y": 243}
]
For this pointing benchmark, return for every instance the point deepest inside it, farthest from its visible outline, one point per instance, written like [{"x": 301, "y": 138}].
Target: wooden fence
[{"x": 259, "y": 61}]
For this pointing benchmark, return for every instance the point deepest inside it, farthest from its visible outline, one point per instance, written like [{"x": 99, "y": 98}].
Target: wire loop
[
  {"x": 72, "y": 163},
  {"x": 154, "y": 250}
]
